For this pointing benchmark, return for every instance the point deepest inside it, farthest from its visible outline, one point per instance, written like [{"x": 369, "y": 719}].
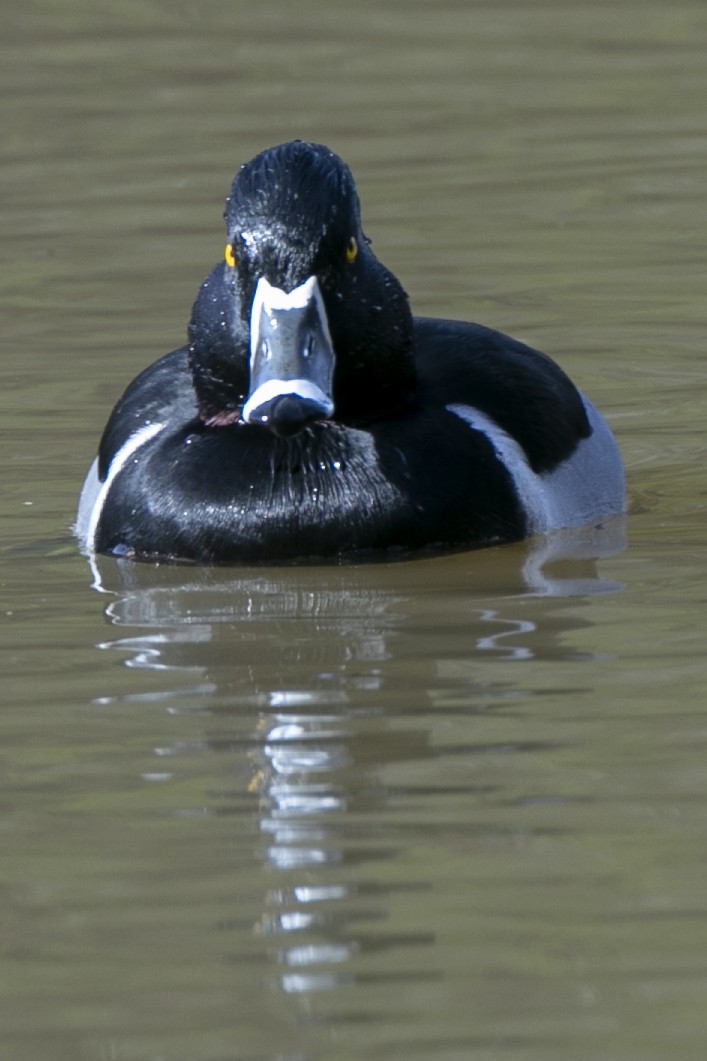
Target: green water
[{"x": 440, "y": 810}]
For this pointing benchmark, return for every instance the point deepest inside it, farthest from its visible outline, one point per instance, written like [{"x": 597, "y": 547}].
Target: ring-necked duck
[{"x": 312, "y": 416}]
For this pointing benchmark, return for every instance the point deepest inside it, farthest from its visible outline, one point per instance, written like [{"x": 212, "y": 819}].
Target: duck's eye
[
  {"x": 228, "y": 256},
  {"x": 351, "y": 249}
]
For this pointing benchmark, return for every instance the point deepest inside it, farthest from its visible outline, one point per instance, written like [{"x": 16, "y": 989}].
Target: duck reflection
[
  {"x": 318, "y": 683},
  {"x": 323, "y": 812}
]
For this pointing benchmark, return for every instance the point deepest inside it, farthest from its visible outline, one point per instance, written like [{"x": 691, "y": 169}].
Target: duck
[{"x": 312, "y": 417}]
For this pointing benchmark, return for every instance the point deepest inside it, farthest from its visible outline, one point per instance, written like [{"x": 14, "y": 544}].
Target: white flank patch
[
  {"x": 589, "y": 485},
  {"x": 94, "y": 492}
]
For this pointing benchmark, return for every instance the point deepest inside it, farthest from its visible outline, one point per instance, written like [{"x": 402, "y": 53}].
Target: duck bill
[{"x": 291, "y": 358}]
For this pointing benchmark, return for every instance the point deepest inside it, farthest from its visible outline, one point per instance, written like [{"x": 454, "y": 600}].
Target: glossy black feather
[{"x": 394, "y": 469}]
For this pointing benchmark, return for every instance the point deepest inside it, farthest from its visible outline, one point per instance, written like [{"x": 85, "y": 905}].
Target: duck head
[{"x": 300, "y": 322}]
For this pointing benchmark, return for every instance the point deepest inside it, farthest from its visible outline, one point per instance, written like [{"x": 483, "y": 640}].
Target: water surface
[{"x": 445, "y": 809}]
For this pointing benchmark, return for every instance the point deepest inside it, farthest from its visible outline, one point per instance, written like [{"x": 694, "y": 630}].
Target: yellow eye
[
  {"x": 228, "y": 256},
  {"x": 351, "y": 249}
]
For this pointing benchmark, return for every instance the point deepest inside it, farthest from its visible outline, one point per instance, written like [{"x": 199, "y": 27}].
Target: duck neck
[
  {"x": 375, "y": 371},
  {"x": 218, "y": 352}
]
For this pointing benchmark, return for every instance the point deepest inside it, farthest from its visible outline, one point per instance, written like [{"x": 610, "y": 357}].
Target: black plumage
[{"x": 392, "y": 468}]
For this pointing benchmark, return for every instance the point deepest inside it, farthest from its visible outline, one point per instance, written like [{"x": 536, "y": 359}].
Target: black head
[
  {"x": 294, "y": 229},
  {"x": 293, "y": 210}
]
